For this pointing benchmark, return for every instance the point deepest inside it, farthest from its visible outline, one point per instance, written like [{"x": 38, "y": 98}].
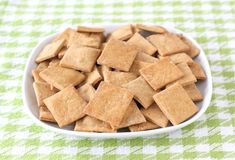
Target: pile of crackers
[{"x": 137, "y": 77}]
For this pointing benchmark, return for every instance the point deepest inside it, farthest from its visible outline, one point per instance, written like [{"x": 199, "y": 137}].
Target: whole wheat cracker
[
  {"x": 180, "y": 58},
  {"x": 121, "y": 33},
  {"x": 193, "y": 92},
  {"x": 193, "y": 50},
  {"x": 117, "y": 54},
  {"x": 141, "y": 56},
  {"x": 153, "y": 28},
  {"x": 89, "y": 29},
  {"x": 62, "y": 52},
  {"x": 45, "y": 114},
  {"x": 64, "y": 35},
  {"x": 197, "y": 71},
  {"x": 66, "y": 106},
  {"x": 142, "y": 91},
  {"x": 175, "y": 103},
  {"x": 161, "y": 73},
  {"x": 36, "y": 77},
  {"x": 61, "y": 77},
  {"x": 137, "y": 65},
  {"x": 118, "y": 78},
  {"x": 103, "y": 68},
  {"x": 107, "y": 106},
  {"x": 80, "y": 58},
  {"x": 93, "y": 77},
  {"x": 86, "y": 91},
  {"x": 154, "y": 114},
  {"x": 143, "y": 126}
]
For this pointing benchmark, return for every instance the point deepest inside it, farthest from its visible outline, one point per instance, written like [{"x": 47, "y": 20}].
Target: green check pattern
[{"x": 23, "y": 23}]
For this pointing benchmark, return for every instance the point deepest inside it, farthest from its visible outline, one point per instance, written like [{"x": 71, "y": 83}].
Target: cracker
[
  {"x": 118, "y": 78},
  {"x": 64, "y": 35},
  {"x": 188, "y": 77},
  {"x": 85, "y": 39},
  {"x": 102, "y": 46},
  {"x": 141, "y": 56},
  {"x": 161, "y": 73},
  {"x": 142, "y": 91},
  {"x": 193, "y": 92},
  {"x": 180, "y": 58},
  {"x": 89, "y": 29},
  {"x": 61, "y": 77},
  {"x": 102, "y": 69},
  {"x": 93, "y": 77},
  {"x": 142, "y": 44},
  {"x": 45, "y": 114},
  {"x": 117, "y": 54},
  {"x": 121, "y": 33},
  {"x": 135, "y": 29},
  {"x": 86, "y": 91},
  {"x": 80, "y": 58},
  {"x": 154, "y": 29},
  {"x": 132, "y": 116},
  {"x": 175, "y": 103},
  {"x": 43, "y": 65},
  {"x": 66, "y": 106},
  {"x": 197, "y": 71},
  {"x": 193, "y": 50},
  {"x": 42, "y": 90},
  {"x": 62, "y": 52},
  {"x": 49, "y": 51},
  {"x": 143, "y": 126},
  {"x": 54, "y": 62},
  {"x": 90, "y": 124},
  {"x": 155, "y": 115},
  {"x": 137, "y": 65},
  {"x": 36, "y": 76},
  {"x": 168, "y": 44},
  {"x": 107, "y": 106}
]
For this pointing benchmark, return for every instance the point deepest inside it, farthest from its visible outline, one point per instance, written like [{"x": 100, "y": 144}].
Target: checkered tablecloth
[{"x": 24, "y": 22}]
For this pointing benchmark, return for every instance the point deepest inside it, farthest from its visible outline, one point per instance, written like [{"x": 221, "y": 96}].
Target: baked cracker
[
  {"x": 197, "y": 71},
  {"x": 86, "y": 91},
  {"x": 193, "y": 50},
  {"x": 137, "y": 65},
  {"x": 45, "y": 114},
  {"x": 143, "y": 126},
  {"x": 121, "y": 33},
  {"x": 193, "y": 92},
  {"x": 93, "y": 77},
  {"x": 154, "y": 29},
  {"x": 89, "y": 29},
  {"x": 141, "y": 56},
  {"x": 180, "y": 58}
]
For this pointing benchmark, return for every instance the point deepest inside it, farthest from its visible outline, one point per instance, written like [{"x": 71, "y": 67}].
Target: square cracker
[
  {"x": 54, "y": 62},
  {"x": 143, "y": 126},
  {"x": 118, "y": 78},
  {"x": 154, "y": 29},
  {"x": 133, "y": 116},
  {"x": 36, "y": 76},
  {"x": 62, "y": 52},
  {"x": 93, "y": 77},
  {"x": 188, "y": 77},
  {"x": 42, "y": 90},
  {"x": 197, "y": 71},
  {"x": 180, "y": 58},
  {"x": 193, "y": 50},
  {"x": 193, "y": 92},
  {"x": 45, "y": 114},
  {"x": 102, "y": 69},
  {"x": 61, "y": 77},
  {"x": 141, "y": 56},
  {"x": 89, "y": 29},
  {"x": 107, "y": 106},
  {"x": 121, "y": 33},
  {"x": 155, "y": 115},
  {"x": 161, "y": 73},
  {"x": 142, "y": 91},
  {"x": 43, "y": 65},
  {"x": 118, "y": 54},
  {"x": 90, "y": 124},
  {"x": 175, "y": 103},
  {"x": 137, "y": 65},
  {"x": 86, "y": 91},
  {"x": 85, "y": 39},
  {"x": 80, "y": 58},
  {"x": 64, "y": 35},
  {"x": 168, "y": 44},
  {"x": 142, "y": 44},
  {"x": 49, "y": 51},
  {"x": 66, "y": 106}
]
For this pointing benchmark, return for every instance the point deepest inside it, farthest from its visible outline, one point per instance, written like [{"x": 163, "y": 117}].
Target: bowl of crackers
[{"x": 117, "y": 81}]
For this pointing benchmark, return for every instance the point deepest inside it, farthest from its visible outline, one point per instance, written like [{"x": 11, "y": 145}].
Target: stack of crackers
[{"x": 137, "y": 77}]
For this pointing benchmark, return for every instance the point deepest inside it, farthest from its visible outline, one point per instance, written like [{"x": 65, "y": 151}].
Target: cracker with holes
[
  {"x": 66, "y": 106},
  {"x": 60, "y": 77},
  {"x": 161, "y": 73},
  {"x": 109, "y": 104},
  {"x": 175, "y": 103},
  {"x": 142, "y": 91},
  {"x": 155, "y": 115},
  {"x": 142, "y": 44},
  {"x": 49, "y": 51},
  {"x": 168, "y": 44},
  {"x": 118, "y": 54},
  {"x": 80, "y": 58},
  {"x": 90, "y": 124},
  {"x": 118, "y": 78}
]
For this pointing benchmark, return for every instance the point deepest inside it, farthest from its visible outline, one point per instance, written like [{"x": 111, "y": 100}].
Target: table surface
[{"x": 211, "y": 22}]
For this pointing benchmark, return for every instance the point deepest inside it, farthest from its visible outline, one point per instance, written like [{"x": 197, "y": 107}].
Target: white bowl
[{"x": 31, "y": 107}]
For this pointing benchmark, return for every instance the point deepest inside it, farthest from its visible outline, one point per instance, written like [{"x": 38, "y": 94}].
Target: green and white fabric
[{"x": 23, "y": 23}]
